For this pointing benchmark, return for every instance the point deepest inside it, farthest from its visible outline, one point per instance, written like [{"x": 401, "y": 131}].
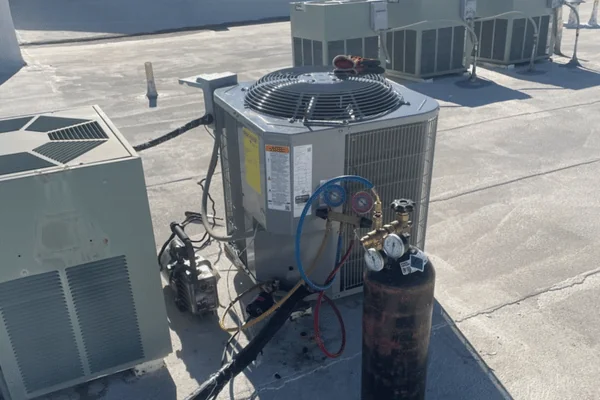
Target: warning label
[
  {"x": 279, "y": 187},
  {"x": 302, "y": 178}
]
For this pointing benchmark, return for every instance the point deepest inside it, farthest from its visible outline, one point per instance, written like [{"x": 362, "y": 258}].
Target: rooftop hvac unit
[
  {"x": 509, "y": 39},
  {"x": 80, "y": 293},
  {"x": 286, "y": 133},
  {"x": 434, "y": 45}
]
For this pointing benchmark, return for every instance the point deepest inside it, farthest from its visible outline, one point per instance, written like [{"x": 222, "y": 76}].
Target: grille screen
[
  {"x": 317, "y": 95},
  {"x": 92, "y": 130},
  {"x": 493, "y": 36},
  {"x": 441, "y": 51},
  {"x": 297, "y": 48},
  {"x": 35, "y": 314},
  {"x": 399, "y": 162},
  {"x": 67, "y": 151},
  {"x": 106, "y": 313}
]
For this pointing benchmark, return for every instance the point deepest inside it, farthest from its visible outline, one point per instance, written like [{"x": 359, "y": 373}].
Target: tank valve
[
  {"x": 403, "y": 206},
  {"x": 400, "y": 226}
]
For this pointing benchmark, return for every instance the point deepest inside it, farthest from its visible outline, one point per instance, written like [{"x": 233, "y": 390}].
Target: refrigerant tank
[{"x": 397, "y": 314}]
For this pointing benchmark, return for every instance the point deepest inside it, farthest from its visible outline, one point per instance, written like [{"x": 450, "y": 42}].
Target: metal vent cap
[{"x": 318, "y": 95}]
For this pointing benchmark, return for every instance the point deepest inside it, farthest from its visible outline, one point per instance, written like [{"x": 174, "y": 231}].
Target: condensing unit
[
  {"x": 509, "y": 39},
  {"x": 286, "y": 133},
  {"x": 424, "y": 38},
  {"x": 80, "y": 292}
]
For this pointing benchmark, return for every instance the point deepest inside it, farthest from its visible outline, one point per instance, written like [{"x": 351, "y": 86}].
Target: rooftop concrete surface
[{"x": 513, "y": 227}]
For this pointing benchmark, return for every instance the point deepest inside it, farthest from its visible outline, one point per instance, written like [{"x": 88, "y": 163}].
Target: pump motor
[{"x": 193, "y": 283}]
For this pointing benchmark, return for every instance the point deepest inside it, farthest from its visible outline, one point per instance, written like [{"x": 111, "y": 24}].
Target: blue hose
[{"x": 307, "y": 207}]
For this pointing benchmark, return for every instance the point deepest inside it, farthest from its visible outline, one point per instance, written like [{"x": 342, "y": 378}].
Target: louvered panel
[
  {"x": 88, "y": 131},
  {"x": 34, "y": 312},
  {"x": 354, "y": 47},
  {"x": 372, "y": 47},
  {"x": 334, "y": 48},
  {"x": 458, "y": 48},
  {"x": 544, "y": 32},
  {"x": 428, "y": 51},
  {"x": 317, "y": 52},
  {"x": 307, "y": 52},
  {"x": 389, "y": 44},
  {"x": 105, "y": 309},
  {"x": 444, "y": 50},
  {"x": 399, "y": 48},
  {"x": 399, "y": 163},
  {"x": 487, "y": 39},
  {"x": 297, "y": 49},
  {"x": 67, "y": 151},
  {"x": 529, "y": 32},
  {"x": 410, "y": 52},
  {"x": 517, "y": 43},
  {"x": 501, "y": 30}
]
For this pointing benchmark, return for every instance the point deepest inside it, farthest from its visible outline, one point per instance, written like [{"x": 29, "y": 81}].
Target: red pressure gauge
[{"x": 362, "y": 202}]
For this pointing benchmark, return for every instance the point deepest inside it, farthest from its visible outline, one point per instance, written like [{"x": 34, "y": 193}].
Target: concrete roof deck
[{"x": 513, "y": 227}]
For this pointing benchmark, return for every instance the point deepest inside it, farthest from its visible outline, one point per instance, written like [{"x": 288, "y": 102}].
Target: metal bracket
[
  {"x": 469, "y": 9},
  {"x": 209, "y": 83}
]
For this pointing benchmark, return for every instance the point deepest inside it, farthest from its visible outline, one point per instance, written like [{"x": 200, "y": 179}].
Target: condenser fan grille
[{"x": 322, "y": 96}]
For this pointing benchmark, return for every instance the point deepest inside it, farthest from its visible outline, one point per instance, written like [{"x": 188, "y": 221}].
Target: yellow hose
[{"x": 275, "y": 306}]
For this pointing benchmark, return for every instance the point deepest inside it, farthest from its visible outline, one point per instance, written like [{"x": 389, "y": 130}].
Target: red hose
[{"x": 317, "y": 310}]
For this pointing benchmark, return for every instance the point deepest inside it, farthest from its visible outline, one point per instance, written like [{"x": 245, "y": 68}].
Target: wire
[
  {"x": 240, "y": 361},
  {"x": 206, "y": 239},
  {"x": 183, "y": 224},
  {"x": 337, "y": 312},
  {"x": 205, "y": 120},
  {"x": 277, "y": 305},
  {"x": 307, "y": 207},
  {"x": 212, "y": 166},
  {"x": 231, "y": 339}
]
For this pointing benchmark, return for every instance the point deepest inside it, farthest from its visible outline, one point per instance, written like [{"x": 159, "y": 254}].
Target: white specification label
[
  {"x": 302, "y": 178},
  {"x": 279, "y": 185}
]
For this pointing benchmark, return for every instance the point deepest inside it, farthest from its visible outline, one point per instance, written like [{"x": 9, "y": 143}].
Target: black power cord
[
  {"x": 210, "y": 389},
  {"x": 205, "y": 120}
]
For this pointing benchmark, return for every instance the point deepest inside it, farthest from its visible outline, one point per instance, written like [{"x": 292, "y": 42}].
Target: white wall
[
  {"x": 43, "y": 20},
  {"x": 10, "y": 53}
]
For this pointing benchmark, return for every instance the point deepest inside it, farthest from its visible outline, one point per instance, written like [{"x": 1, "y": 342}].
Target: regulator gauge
[
  {"x": 362, "y": 202},
  {"x": 393, "y": 246},
  {"x": 374, "y": 260},
  {"x": 334, "y": 196}
]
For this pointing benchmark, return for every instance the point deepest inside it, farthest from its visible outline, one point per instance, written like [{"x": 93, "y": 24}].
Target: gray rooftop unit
[
  {"x": 437, "y": 47},
  {"x": 509, "y": 39},
  {"x": 283, "y": 135},
  {"x": 323, "y": 29},
  {"x": 80, "y": 292}
]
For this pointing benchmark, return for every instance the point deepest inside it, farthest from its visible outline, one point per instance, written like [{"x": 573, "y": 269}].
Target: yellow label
[{"x": 252, "y": 159}]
